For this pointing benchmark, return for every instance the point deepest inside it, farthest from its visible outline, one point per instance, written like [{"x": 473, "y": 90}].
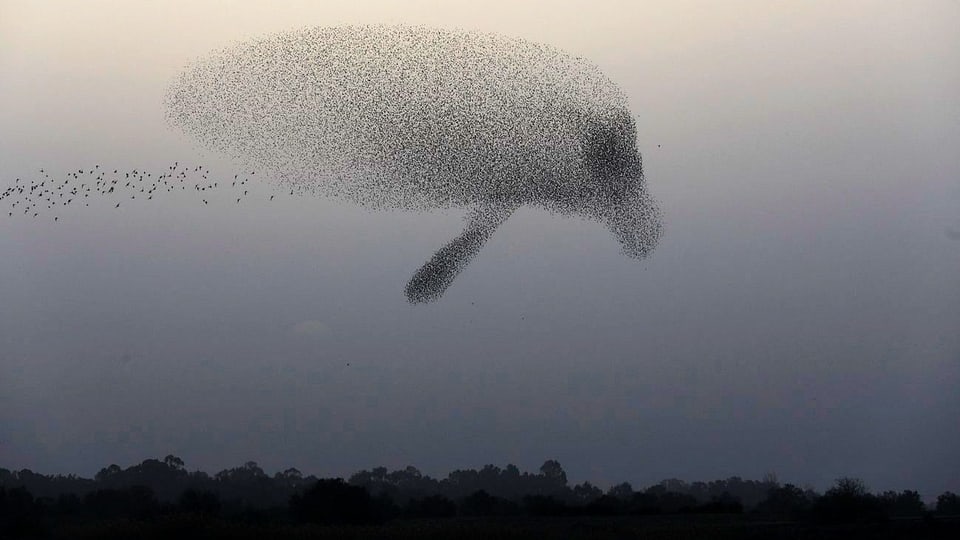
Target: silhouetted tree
[
  {"x": 785, "y": 502},
  {"x": 166, "y": 478},
  {"x": 586, "y": 492},
  {"x": 205, "y": 503},
  {"x": 553, "y": 473},
  {"x": 948, "y": 503},
  {"x": 645, "y": 503},
  {"x": 375, "y": 481},
  {"x": 672, "y": 502},
  {"x": 247, "y": 494},
  {"x": 333, "y": 501},
  {"x": 434, "y": 506},
  {"x": 848, "y": 501},
  {"x": 248, "y": 486},
  {"x": 173, "y": 462},
  {"x": 607, "y": 505},
  {"x": 482, "y": 503},
  {"x": 622, "y": 491},
  {"x": 108, "y": 473},
  {"x": 68, "y": 504},
  {"x": 544, "y": 505},
  {"x": 512, "y": 481},
  {"x": 400, "y": 485},
  {"x": 725, "y": 503},
  {"x": 137, "y": 502},
  {"x": 906, "y": 503},
  {"x": 20, "y": 513}
]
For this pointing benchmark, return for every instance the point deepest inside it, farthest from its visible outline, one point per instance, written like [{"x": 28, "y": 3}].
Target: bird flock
[
  {"x": 397, "y": 117},
  {"x": 413, "y": 117},
  {"x": 45, "y": 195},
  {"x": 418, "y": 118}
]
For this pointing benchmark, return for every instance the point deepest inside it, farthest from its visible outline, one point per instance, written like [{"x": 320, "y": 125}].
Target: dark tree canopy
[{"x": 154, "y": 490}]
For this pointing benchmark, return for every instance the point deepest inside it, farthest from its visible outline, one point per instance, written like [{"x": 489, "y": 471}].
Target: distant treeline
[{"x": 32, "y": 502}]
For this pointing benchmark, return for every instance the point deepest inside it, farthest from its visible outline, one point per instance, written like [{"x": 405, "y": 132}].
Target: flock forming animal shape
[{"x": 416, "y": 118}]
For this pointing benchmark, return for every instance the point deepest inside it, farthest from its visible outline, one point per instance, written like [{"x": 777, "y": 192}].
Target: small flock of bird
[{"x": 46, "y": 195}]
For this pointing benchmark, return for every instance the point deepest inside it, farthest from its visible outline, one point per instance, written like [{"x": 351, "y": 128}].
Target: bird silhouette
[{"x": 44, "y": 192}]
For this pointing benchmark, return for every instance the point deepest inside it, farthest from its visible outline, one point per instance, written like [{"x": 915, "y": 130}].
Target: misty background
[{"x": 800, "y": 315}]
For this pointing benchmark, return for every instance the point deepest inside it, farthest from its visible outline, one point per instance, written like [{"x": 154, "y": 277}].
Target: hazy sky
[{"x": 800, "y": 316}]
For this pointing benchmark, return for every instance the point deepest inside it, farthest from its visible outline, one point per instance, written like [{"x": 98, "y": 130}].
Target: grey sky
[{"x": 800, "y": 315}]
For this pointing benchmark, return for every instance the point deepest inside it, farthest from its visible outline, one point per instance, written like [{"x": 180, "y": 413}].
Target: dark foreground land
[
  {"x": 600, "y": 528},
  {"x": 161, "y": 499}
]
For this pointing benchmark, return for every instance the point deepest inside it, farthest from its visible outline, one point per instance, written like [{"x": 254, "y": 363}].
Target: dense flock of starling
[
  {"x": 406, "y": 117},
  {"x": 43, "y": 196},
  {"x": 409, "y": 117},
  {"x": 414, "y": 117}
]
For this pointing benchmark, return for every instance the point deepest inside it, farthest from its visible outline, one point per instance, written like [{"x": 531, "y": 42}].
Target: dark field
[{"x": 661, "y": 527}]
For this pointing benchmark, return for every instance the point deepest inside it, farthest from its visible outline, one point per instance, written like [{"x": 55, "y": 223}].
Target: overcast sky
[{"x": 801, "y": 314}]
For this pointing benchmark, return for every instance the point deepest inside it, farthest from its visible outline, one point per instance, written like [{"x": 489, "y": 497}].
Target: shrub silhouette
[
  {"x": 434, "y": 506},
  {"x": 848, "y": 502},
  {"x": 20, "y": 513},
  {"x": 482, "y": 503},
  {"x": 586, "y": 492},
  {"x": 334, "y": 502},
  {"x": 725, "y": 503},
  {"x": 948, "y": 504},
  {"x": 205, "y": 503},
  {"x": 644, "y": 504},
  {"x": 605, "y": 505},
  {"x": 906, "y": 503},
  {"x": 785, "y": 502},
  {"x": 544, "y": 505},
  {"x": 670, "y": 502}
]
